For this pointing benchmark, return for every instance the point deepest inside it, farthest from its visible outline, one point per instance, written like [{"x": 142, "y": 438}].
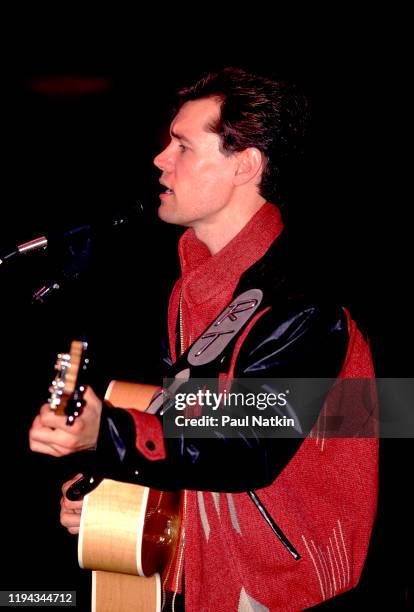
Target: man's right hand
[
  {"x": 51, "y": 435},
  {"x": 70, "y": 511}
]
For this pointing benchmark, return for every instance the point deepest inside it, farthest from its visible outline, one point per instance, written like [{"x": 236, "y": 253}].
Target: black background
[{"x": 70, "y": 158}]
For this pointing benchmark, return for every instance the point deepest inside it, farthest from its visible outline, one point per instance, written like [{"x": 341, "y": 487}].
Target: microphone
[{"x": 43, "y": 242}]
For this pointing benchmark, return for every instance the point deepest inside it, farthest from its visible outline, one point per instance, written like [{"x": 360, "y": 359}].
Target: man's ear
[{"x": 249, "y": 166}]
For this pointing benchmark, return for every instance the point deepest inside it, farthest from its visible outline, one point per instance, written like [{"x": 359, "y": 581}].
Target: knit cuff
[{"x": 149, "y": 435}]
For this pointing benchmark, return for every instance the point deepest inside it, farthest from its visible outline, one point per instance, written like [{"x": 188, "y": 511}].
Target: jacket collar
[{"x": 205, "y": 276}]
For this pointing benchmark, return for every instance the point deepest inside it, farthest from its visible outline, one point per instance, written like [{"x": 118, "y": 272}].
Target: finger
[
  {"x": 49, "y": 418},
  {"x": 56, "y": 437},
  {"x": 49, "y": 449},
  {"x": 68, "y": 505},
  {"x": 46, "y": 411},
  {"x": 90, "y": 395},
  {"x": 36, "y": 424},
  {"x": 70, "y": 482},
  {"x": 70, "y": 521},
  {"x": 46, "y": 434}
]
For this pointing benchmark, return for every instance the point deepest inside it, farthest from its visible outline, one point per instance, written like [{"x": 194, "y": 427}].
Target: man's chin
[{"x": 167, "y": 214}]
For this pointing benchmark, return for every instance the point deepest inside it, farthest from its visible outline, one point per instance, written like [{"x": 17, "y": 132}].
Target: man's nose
[{"x": 163, "y": 160}]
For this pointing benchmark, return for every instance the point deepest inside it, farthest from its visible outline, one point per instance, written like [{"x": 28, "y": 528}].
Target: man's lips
[
  {"x": 166, "y": 194},
  {"x": 167, "y": 191}
]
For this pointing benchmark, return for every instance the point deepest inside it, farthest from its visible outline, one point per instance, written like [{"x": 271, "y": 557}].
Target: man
[{"x": 232, "y": 139}]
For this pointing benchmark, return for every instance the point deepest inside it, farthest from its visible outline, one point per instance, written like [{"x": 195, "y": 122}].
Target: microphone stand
[
  {"x": 79, "y": 260},
  {"x": 73, "y": 253},
  {"x": 69, "y": 238}
]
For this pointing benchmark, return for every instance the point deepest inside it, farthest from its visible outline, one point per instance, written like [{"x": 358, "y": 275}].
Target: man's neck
[{"x": 215, "y": 235}]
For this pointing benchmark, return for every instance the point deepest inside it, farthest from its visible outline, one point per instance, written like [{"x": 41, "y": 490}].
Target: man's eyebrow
[{"x": 180, "y": 136}]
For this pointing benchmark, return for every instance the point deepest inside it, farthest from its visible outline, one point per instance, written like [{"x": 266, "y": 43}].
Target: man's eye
[{"x": 182, "y": 147}]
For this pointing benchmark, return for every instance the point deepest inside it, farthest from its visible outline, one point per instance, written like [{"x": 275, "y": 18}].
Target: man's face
[{"x": 198, "y": 178}]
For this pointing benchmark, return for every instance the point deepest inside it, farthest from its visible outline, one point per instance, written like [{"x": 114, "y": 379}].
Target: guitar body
[{"x": 128, "y": 532}]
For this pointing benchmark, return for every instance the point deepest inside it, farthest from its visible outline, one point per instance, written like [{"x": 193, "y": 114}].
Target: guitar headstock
[{"x": 67, "y": 388}]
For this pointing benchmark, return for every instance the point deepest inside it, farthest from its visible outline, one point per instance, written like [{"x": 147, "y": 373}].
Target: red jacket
[{"x": 324, "y": 498}]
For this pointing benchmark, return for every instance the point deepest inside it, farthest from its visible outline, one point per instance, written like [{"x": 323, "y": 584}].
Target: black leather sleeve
[{"x": 303, "y": 341}]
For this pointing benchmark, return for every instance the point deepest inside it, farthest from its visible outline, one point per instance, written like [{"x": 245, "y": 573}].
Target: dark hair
[{"x": 256, "y": 111}]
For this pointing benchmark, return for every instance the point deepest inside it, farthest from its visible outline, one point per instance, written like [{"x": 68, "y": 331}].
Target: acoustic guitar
[{"x": 128, "y": 533}]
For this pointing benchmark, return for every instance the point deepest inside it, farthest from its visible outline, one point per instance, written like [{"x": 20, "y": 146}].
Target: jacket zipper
[
  {"x": 183, "y": 344},
  {"x": 182, "y": 538},
  {"x": 180, "y": 554},
  {"x": 180, "y": 315}
]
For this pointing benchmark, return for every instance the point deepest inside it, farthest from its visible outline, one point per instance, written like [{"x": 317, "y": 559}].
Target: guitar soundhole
[{"x": 160, "y": 530}]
